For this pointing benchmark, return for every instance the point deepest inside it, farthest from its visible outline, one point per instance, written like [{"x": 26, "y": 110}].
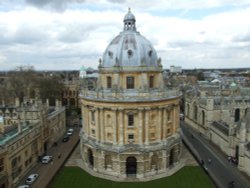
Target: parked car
[
  {"x": 23, "y": 186},
  {"x": 65, "y": 138},
  {"x": 70, "y": 132},
  {"x": 31, "y": 178},
  {"x": 46, "y": 159}
]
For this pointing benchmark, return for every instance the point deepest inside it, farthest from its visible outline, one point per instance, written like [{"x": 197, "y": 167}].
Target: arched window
[
  {"x": 195, "y": 111},
  {"x": 64, "y": 102},
  {"x": 237, "y": 115},
  {"x": 154, "y": 162},
  {"x": 203, "y": 117},
  {"x": 108, "y": 162},
  {"x": 72, "y": 102}
]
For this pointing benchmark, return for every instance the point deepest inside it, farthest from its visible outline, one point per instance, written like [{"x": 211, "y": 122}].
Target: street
[
  {"x": 48, "y": 171},
  {"x": 220, "y": 169}
]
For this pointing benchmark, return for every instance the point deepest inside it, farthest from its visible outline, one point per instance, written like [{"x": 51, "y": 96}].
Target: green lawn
[{"x": 74, "y": 177}]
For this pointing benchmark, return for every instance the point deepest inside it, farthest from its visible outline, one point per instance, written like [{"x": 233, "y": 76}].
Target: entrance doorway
[{"x": 131, "y": 166}]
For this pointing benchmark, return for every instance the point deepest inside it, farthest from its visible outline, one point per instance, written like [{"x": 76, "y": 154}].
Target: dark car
[{"x": 65, "y": 139}]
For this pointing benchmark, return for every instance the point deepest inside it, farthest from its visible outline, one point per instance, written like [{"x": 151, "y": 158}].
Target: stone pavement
[
  {"x": 186, "y": 160},
  {"x": 48, "y": 171}
]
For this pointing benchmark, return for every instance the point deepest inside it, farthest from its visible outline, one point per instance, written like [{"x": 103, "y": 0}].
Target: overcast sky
[{"x": 66, "y": 34}]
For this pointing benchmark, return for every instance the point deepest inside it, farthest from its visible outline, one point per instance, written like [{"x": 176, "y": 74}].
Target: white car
[
  {"x": 46, "y": 159},
  {"x": 23, "y": 186},
  {"x": 70, "y": 132},
  {"x": 31, "y": 178}
]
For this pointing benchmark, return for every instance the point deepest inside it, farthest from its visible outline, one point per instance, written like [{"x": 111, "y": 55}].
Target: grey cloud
[
  {"x": 59, "y": 5},
  {"x": 29, "y": 35},
  {"x": 181, "y": 43},
  {"x": 75, "y": 33},
  {"x": 242, "y": 38},
  {"x": 117, "y": 1}
]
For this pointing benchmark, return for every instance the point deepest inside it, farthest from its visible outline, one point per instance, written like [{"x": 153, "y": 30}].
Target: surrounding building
[
  {"x": 27, "y": 130},
  {"x": 222, "y": 116},
  {"x": 130, "y": 120},
  {"x": 175, "y": 69}
]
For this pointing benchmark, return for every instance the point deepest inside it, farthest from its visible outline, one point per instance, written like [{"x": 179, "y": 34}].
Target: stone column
[
  {"x": 102, "y": 123},
  {"x": 159, "y": 126},
  {"x": 167, "y": 159},
  {"x": 174, "y": 120},
  {"x": 147, "y": 125},
  {"x": 164, "y": 123},
  {"x": 114, "y": 126},
  {"x": 164, "y": 160},
  {"x": 140, "y": 126},
  {"x": 121, "y": 129},
  {"x": 97, "y": 123},
  {"x": 88, "y": 114}
]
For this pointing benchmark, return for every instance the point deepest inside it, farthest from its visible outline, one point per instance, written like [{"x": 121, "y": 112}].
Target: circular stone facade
[{"x": 130, "y": 121}]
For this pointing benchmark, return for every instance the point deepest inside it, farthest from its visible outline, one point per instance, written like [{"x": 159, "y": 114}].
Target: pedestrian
[
  {"x": 209, "y": 161},
  {"x": 59, "y": 155},
  {"x": 202, "y": 162}
]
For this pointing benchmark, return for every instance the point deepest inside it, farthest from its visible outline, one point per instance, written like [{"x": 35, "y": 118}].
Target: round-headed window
[{"x": 130, "y": 53}]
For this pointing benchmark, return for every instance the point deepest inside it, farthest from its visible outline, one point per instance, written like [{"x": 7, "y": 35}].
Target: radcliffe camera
[{"x": 124, "y": 94}]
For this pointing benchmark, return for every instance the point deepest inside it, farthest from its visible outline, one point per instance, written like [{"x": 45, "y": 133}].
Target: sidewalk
[{"x": 48, "y": 171}]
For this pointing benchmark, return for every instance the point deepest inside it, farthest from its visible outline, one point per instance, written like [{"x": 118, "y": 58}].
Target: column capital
[
  {"x": 114, "y": 109},
  {"x": 120, "y": 109}
]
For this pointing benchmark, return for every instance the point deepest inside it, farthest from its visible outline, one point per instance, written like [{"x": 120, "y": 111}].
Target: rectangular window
[
  {"x": 93, "y": 116},
  {"x": 131, "y": 137},
  {"x": 109, "y": 82},
  {"x": 151, "y": 82},
  {"x": 169, "y": 115},
  {"x": 130, "y": 120},
  {"x": 130, "y": 82}
]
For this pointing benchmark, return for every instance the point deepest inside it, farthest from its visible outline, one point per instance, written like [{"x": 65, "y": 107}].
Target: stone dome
[{"x": 129, "y": 48}]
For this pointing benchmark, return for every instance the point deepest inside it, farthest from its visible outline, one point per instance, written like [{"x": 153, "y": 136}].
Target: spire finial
[{"x": 129, "y": 9}]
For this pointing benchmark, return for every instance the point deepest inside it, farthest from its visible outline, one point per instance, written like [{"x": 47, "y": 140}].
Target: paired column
[
  {"x": 101, "y": 125},
  {"x": 147, "y": 125},
  {"x": 121, "y": 129},
  {"x": 159, "y": 126},
  {"x": 140, "y": 123},
  {"x": 114, "y": 126},
  {"x": 164, "y": 124}
]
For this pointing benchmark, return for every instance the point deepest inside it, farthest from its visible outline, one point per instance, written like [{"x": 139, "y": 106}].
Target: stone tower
[{"x": 130, "y": 121}]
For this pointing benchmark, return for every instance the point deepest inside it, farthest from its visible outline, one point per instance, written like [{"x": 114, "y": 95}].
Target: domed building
[{"x": 130, "y": 121}]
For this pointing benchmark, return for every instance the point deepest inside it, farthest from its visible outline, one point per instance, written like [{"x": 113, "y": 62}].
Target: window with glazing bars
[
  {"x": 130, "y": 82},
  {"x": 109, "y": 82}
]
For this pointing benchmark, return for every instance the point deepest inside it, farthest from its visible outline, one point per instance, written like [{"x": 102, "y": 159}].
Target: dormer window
[
  {"x": 110, "y": 54},
  {"x": 130, "y": 53},
  {"x": 150, "y": 53}
]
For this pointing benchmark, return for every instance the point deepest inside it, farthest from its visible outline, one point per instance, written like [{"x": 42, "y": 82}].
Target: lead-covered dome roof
[{"x": 129, "y": 48}]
